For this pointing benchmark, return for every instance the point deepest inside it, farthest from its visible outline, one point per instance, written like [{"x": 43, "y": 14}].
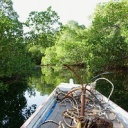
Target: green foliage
[
  {"x": 36, "y": 54},
  {"x": 14, "y": 58},
  {"x": 43, "y": 27},
  {"x": 108, "y": 37},
  {"x": 50, "y": 56},
  {"x": 102, "y": 46},
  {"x": 69, "y": 47},
  {"x": 6, "y": 7},
  {"x": 43, "y": 22}
]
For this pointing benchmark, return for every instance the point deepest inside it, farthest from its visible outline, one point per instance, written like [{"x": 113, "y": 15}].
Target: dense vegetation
[
  {"x": 103, "y": 45},
  {"x": 14, "y": 59}
]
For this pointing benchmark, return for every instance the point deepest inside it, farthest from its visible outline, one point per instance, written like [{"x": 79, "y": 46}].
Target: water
[{"x": 18, "y": 101}]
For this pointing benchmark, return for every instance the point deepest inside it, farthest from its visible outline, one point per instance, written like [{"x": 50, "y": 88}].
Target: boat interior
[{"x": 75, "y": 109}]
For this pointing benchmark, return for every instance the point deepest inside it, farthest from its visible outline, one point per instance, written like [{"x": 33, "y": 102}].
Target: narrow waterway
[{"x": 18, "y": 101}]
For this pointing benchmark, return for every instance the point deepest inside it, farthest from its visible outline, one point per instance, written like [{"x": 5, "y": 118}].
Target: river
[{"x": 19, "y": 100}]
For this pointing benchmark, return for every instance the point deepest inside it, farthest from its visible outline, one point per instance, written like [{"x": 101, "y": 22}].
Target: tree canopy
[
  {"x": 108, "y": 37},
  {"x": 43, "y": 27},
  {"x": 102, "y": 46},
  {"x": 14, "y": 58}
]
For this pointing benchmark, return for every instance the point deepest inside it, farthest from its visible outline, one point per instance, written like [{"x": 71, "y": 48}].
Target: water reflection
[
  {"x": 37, "y": 99},
  {"x": 57, "y": 75},
  {"x": 13, "y": 103},
  {"x": 120, "y": 94},
  {"x": 18, "y": 101}
]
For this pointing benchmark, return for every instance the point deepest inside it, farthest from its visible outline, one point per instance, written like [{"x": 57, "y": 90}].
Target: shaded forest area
[{"x": 101, "y": 46}]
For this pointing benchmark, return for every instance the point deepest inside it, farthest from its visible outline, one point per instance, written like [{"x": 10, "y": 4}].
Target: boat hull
[{"x": 46, "y": 109}]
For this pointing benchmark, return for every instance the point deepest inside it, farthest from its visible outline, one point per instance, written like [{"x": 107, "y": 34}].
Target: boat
[{"x": 78, "y": 106}]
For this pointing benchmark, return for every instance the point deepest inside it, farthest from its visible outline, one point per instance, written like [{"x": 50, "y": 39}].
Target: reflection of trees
[
  {"x": 13, "y": 109},
  {"x": 37, "y": 82},
  {"x": 27, "y": 112},
  {"x": 120, "y": 94},
  {"x": 58, "y": 74},
  {"x": 52, "y": 76}
]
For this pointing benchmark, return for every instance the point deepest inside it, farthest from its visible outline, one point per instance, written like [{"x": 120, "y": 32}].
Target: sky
[{"x": 77, "y": 10}]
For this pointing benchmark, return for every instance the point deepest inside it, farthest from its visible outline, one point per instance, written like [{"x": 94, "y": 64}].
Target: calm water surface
[{"x": 18, "y": 101}]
